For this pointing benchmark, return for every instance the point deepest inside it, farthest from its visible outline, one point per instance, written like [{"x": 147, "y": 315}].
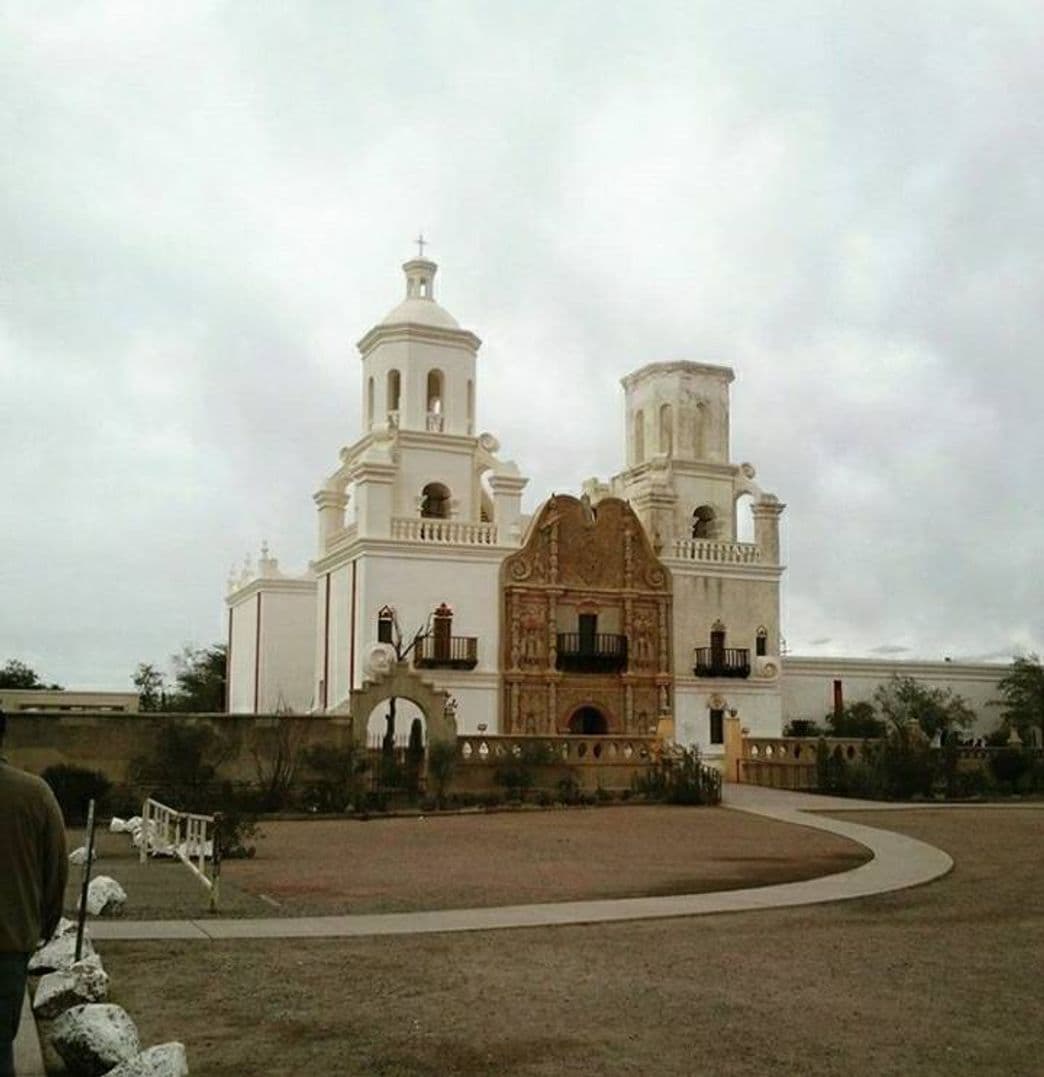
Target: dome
[
  {"x": 420, "y": 312},
  {"x": 419, "y": 306}
]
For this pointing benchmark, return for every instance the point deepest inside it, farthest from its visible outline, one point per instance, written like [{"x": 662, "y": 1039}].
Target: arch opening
[
  {"x": 394, "y": 391},
  {"x": 435, "y": 501},
  {"x": 639, "y": 437},
  {"x": 704, "y": 522},
  {"x": 588, "y": 721}
]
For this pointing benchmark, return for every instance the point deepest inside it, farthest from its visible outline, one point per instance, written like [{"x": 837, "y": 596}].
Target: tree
[
  {"x": 402, "y": 652},
  {"x": 856, "y": 720},
  {"x": 199, "y": 676},
  {"x": 16, "y": 674},
  {"x": 1023, "y": 690},
  {"x": 936, "y": 710},
  {"x": 152, "y": 695}
]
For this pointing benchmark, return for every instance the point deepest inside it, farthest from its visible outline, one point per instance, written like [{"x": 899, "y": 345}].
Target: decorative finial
[
  {"x": 264, "y": 549},
  {"x": 421, "y": 244}
]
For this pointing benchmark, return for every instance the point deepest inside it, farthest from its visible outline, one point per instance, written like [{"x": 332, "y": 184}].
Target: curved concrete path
[{"x": 898, "y": 862}]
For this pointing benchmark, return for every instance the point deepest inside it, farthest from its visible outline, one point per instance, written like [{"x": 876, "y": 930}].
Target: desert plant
[
  {"x": 74, "y": 787},
  {"x": 680, "y": 777}
]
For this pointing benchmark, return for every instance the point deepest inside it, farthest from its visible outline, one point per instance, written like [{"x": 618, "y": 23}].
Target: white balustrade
[
  {"x": 730, "y": 553},
  {"x": 444, "y": 532}
]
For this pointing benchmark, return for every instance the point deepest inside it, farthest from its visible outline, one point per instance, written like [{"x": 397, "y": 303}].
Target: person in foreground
[{"x": 33, "y": 870}]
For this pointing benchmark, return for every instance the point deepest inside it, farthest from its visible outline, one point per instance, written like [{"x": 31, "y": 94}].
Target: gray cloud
[{"x": 205, "y": 207}]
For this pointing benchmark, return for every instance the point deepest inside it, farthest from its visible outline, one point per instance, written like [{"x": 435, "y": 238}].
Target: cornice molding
[
  {"x": 677, "y": 366},
  {"x": 463, "y": 339}
]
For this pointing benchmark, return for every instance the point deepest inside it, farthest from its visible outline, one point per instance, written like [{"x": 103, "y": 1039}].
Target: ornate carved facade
[{"x": 586, "y": 609}]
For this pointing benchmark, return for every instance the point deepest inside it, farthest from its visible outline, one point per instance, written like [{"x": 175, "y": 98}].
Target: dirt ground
[
  {"x": 941, "y": 979},
  {"x": 326, "y": 866}
]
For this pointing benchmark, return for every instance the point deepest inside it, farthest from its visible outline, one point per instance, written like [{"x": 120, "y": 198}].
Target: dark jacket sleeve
[{"x": 54, "y": 860}]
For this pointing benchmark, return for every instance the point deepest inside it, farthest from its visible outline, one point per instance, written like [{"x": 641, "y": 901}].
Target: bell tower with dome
[{"x": 418, "y": 364}]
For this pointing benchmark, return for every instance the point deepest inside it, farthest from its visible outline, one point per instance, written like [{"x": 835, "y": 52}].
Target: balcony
[
  {"x": 602, "y": 652},
  {"x": 453, "y": 652},
  {"x": 722, "y": 662}
]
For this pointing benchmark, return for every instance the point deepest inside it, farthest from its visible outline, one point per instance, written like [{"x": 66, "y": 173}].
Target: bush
[
  {"x": 1010, "y": 764},
  {"x": 569, "y": 789},
  {"x": 802, "y": 727},
  {"x": 238, "y": 827},
  {"x": 74, "y": 787},
  {"x": 338, "y": 774},
  {"x": 516, "y": 773},
  {"x": 679, "y": 777}
]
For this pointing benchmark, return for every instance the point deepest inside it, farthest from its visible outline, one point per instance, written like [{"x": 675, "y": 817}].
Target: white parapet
[
  {"x": 445, "y": 532},
  {"x": 734, "y": 553}
]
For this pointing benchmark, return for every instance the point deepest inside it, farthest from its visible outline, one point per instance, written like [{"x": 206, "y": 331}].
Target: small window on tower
[
  {"x": 761, "y": 643},
  {"x": 385, "y": 620}
]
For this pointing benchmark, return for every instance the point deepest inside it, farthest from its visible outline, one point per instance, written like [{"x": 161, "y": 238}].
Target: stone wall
[{"x": 110, "y": 742}]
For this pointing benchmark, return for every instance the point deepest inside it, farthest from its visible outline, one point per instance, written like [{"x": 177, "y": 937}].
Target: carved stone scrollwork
[{"x": 520, "y": 568}]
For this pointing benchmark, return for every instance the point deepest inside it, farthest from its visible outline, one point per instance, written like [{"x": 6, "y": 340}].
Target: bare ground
[
  {"x": 941, "y": 979},
  {"x": 330, "y": 866}
]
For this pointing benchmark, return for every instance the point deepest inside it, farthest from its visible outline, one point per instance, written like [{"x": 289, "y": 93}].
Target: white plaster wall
[
  {"x": 699, "y": 403},
  {"x": 241, "y": 662},
  {"x": 694, "y": 489},
  {"x": 759, "y": 710},
  {"x": 454, "y": 468},
  {"x": 287, "y": 649},
  {"x": 808, "y": 684},
  {"x": 340, "y": 635},
  {"x": 414, "y": 359},
  {"x": 415, "y": 585},
  {"x": 742, "y": 605}
]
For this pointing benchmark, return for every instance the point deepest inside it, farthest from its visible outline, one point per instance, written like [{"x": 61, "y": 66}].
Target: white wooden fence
[{"x": 168, "y": 832}]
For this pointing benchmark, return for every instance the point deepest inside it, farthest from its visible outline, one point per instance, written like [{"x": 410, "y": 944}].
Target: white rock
[
  {"x": 166, "y": 1060},
  {"x": 105, "y": 896},
  {"x": 65, "y": 927},
  {"x": 79, "y": 856},
  {"x": 59, "y": 953},
  {"x": 85, "y": 981},
  {"x": 92, "y": 1039}
]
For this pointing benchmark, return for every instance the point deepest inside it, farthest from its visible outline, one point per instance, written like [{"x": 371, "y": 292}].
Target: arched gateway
[{"x": 401, "y": 682}]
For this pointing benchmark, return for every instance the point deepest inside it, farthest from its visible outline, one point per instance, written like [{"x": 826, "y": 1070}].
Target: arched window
[
  {"x": 435, "y": 392},
  {"x": 639, "y": 437},
  {"x": 703, "y": 522},
  {"x": 699, "y": 415},
  {"x": 435, "y": 501},
  {"x": 394, "y": 389},
  {"x": 435, "y": 402},
  {"x": 471, "y": 406},
  {"x": 666, "y": 429},
  {"x": 761, "y": 642},
  {"x": 369, "y": 403}
]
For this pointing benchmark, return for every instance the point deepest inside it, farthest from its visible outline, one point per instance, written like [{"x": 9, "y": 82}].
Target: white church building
[{"x": 612, "y": 612}]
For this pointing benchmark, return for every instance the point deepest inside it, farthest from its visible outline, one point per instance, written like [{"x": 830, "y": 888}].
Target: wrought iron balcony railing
[
  {"x": 722, "y": 662},
  {"x": 456, "y": 652},
  {"x": 603, "y": 652}
]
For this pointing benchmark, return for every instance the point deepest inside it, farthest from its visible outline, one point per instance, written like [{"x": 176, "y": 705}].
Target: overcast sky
[{"x": 204, "y": 205}]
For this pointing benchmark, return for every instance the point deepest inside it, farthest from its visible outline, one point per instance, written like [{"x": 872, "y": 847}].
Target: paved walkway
[{"x": 898, "y": 862}]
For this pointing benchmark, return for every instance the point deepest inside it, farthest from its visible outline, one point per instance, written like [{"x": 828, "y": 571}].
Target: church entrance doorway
[{"x": 588, "y": 722}]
